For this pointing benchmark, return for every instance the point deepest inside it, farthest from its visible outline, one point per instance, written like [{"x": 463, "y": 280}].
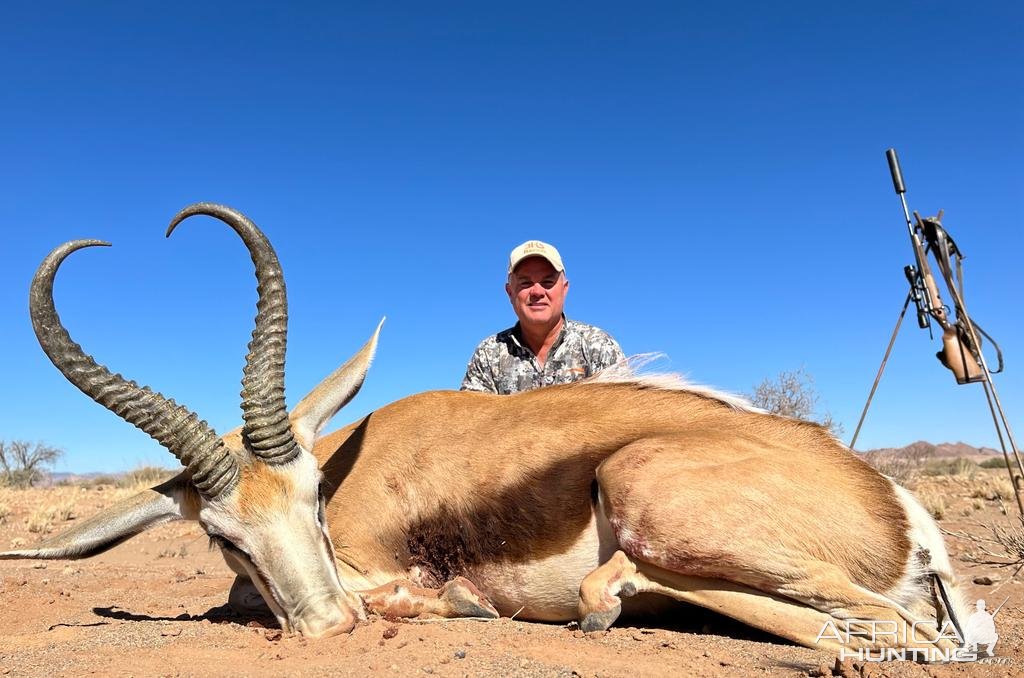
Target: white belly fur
[{"x": 547, "y": 589}]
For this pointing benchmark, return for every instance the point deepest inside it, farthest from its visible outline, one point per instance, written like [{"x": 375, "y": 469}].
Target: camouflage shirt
[{"x": 504, "y": 364}]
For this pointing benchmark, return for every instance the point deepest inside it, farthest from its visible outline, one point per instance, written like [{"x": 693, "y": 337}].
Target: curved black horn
[
  {"x": 177, "y": 428},
  {"x": 267, "y": 429}
]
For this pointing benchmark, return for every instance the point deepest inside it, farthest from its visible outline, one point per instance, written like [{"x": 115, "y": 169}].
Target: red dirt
[{"x": 155, "y": 606}]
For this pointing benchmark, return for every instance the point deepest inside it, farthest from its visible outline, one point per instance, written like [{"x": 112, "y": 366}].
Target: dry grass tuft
[
  {"x": 42, "y": 520},
  {"x": 4, "y": 512},
  {"x": 993, "y": 489},
  {"x": 180, "y": 552},
  {"x": 933, "y": 501},
  {"x": 136, "y": 478},
  {"x": 145, "y": 475}
]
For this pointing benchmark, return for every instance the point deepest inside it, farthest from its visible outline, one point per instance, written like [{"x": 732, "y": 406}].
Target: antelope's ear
[
  {"x": 173, "y": 500},
  {"x": 314, "y": 411}
]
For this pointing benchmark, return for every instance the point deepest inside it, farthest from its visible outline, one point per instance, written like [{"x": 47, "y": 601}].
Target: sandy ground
[{"x": 155, "y": 606}]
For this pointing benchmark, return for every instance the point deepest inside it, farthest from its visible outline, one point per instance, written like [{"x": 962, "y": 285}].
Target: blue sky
[{"x": 714, "y": 177}]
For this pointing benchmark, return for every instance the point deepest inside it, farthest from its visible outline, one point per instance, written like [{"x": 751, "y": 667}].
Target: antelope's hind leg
[
  {"x": 602, "y": 591},
  {"x": 741, "y": 535},
  {"x": 401, "y": 598}
]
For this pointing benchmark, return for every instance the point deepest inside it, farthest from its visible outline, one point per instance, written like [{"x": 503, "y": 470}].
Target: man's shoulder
[
  {"x": 492, "y": 342},
  {"x": 586, "y": 331}
]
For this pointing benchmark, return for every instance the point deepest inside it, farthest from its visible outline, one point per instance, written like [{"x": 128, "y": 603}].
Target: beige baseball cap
[{"x": 535, "y": 248}]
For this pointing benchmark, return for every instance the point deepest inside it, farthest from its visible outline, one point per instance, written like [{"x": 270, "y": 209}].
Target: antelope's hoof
[
  {"x": 465, "y": 600},
  {"x": 599, "y": 620}
]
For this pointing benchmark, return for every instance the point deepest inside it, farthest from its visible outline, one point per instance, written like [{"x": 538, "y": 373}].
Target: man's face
[{"x": 537, "y": 292}]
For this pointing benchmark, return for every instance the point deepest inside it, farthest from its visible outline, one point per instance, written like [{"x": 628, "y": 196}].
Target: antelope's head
[{"x": 255, "y": 491}]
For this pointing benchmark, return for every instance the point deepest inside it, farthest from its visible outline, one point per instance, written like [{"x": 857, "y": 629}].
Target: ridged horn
[
  {"x": 190, "y": 439},
  {"x": 267, "y": 429}
]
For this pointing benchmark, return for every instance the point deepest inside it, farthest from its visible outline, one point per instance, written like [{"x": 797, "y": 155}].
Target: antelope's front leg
[{"x": 401, "y": 598}]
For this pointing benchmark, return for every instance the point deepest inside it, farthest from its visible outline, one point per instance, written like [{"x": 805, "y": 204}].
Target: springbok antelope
[{"x": 557, "y": 504}]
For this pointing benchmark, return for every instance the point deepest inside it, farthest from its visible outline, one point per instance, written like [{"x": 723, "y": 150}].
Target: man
[{"x": 544, "y": 347}]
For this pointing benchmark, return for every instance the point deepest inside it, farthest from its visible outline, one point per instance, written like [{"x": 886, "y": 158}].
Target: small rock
[
  {"x": 171, "y": 632},
  {"x": 983, "y": 581},
  {"x": 390, "y": 632},
  {"x": 845, "y": 669},
  {"x": 822, "y": 670},
  {"x": 273, "y": 634},
  {"x": 427, "y": 669},
  {"x": 871, "y": 671},
  {"x": 460, "y": 654},
  {"x": 38, "y": 566},
  {"x": 402, "y": 644},
  {"x": 394, "y": 667}
]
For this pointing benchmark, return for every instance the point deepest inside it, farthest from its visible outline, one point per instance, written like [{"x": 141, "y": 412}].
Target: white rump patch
[
  {"x": 628, "y": 371},
  {"x": 925, "y": 534}
]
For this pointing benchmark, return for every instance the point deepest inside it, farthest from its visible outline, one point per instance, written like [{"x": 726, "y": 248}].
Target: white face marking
[{"x": 272, "y": 524}]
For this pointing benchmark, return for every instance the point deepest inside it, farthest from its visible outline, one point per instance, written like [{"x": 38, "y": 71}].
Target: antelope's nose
[{"x": 329, "y": 617}]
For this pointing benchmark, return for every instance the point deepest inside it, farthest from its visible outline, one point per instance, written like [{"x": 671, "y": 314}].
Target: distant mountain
[{"x": 925, "y": 450}]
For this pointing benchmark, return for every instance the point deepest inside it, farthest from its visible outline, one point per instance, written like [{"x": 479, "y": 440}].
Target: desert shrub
[
  {"x": 1003, "y": 547},
  {"x": 902, "y": 468},
  {"x": 994, "y": 462},
  {"x": 4, "y": 512},
  {"x": 950, "y": 467},
  {"x": 792, "y": 394},
  {"x": 23, "y": 464}
]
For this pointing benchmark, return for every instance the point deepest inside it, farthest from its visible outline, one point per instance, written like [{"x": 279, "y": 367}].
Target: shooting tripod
[{"x": 961, "y": 352}]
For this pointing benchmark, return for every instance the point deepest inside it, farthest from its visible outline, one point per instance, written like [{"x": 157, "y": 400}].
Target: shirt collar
[{"x": 515, "y": 333}]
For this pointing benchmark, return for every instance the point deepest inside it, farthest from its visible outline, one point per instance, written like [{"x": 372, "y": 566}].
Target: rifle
[
  {"x": 961, "y": 349},
  {"x": 961, "y": 344}
]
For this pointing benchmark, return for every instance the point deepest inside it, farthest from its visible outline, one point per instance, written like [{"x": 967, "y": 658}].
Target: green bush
[{"x": 994, "y": 462}]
